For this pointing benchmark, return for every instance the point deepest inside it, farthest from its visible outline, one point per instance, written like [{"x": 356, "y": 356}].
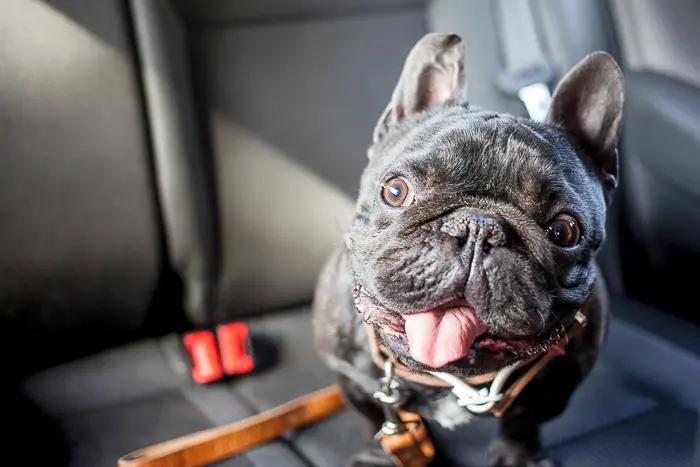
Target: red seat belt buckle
[
  {"x": 236, "y": 348},
  {"x": 206, "y": 366},
  {"x": 226, "y": 353}
]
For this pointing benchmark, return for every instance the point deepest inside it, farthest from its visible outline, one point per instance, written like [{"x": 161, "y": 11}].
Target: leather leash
[
  {"x": 409, "y": 447},
  {"x": 215, "y": 444}
]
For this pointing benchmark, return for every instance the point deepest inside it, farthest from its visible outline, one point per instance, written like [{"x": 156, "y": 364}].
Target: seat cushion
[
  {"x": 109, "y": 404},
  {"x": 665, "y": 436},
  {"x": 97, "y": 409}
]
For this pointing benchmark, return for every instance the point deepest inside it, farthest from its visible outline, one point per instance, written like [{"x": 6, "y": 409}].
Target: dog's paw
[
  {"x": 371, "y": 456},
  {"x": 504, "y": 454}
]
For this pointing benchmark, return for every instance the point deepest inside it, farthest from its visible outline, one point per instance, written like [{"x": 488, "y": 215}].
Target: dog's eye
[
  {"x": 564, "y": 231},
  {"x": 396, "y": 192}
]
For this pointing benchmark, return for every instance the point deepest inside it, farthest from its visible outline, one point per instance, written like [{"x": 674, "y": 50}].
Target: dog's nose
[{"x": 479, "y": 228}]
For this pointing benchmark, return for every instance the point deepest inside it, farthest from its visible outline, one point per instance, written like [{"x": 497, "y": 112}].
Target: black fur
[{"x": 486, "y": 186}]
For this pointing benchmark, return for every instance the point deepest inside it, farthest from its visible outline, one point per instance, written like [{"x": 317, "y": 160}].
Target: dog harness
[
  {"x": 403, "y": 434},
  {"x": 408, "y": 442}
]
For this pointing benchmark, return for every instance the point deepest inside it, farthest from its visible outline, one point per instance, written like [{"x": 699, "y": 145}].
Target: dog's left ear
[
  {"x": 433, "y": 75},
  {"x": 588, "y": 104}
]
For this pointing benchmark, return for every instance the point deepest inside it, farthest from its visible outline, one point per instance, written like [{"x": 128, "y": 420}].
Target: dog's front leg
[
  {"x": 518, "y": 443},
  {"x": 372, "y": 454},
  {"x": 547, "y": 396}
]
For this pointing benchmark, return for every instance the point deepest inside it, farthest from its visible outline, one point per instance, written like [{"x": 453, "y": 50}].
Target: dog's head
[{"x": 475, "y": 232}]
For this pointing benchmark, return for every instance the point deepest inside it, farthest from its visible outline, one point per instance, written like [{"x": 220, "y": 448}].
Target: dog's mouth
[{"x": 452, "y": 333}]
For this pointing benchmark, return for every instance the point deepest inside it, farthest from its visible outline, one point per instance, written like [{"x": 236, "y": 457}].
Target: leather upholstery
[
  {"x": 223, "y": 12},
  {"x": 80, "y": 231},
  {"x": 289, "y": 108},
  {"x": 571, "y": 29},
  {"x": 183, "y": 174},
  {"x": 660, "y": 36},
  {"x": 660, "y": 150}
]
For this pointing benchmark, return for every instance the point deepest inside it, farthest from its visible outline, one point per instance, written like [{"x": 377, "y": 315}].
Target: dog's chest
[{"x": 447, "y": 413}]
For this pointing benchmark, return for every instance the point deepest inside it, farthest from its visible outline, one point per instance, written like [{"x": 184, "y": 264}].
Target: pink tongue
[{"x": 437, "y": 337}]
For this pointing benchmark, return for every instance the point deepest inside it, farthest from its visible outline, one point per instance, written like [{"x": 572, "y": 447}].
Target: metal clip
[
  {"x": 388, "y": 395},
  {"x": 536, "y": 98}
]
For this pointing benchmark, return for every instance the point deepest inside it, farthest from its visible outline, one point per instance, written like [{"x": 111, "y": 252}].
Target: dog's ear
[
  {"x": 433, "y": 75},
  {"x": 588, "y": 104}
]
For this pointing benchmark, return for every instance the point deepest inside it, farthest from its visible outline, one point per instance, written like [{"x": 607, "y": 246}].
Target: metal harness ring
[{"x": 478, "y": 400}]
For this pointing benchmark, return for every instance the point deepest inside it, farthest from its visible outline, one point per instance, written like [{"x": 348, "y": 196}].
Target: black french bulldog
[{"x": 474, "y": 239}]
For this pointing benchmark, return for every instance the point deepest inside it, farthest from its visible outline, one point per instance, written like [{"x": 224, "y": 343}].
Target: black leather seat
[{"x": 138, "y": 155}]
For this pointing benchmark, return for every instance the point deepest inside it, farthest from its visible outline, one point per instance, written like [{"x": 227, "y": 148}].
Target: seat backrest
[
  {"x": 81, "y": 248},
  {"x": 661, "y": 149},
  {"x": 291, "y": 92},
  {"x": 119, "y": 184}
]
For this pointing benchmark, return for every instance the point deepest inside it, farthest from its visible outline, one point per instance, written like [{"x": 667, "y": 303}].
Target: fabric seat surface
[
  {"x": 107, "y": 405},
  {"x": 142, "y": 395}
]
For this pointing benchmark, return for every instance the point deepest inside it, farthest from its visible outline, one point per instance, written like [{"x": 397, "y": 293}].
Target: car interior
[{"x": 170, "y": 165}]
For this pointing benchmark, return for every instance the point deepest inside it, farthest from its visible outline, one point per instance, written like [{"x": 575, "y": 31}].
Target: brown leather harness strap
[
  {"x": 380, "y": 353},
  {"x": 517, "y": 387},
  {"x": 212, "y": 445},
  {"x": 413, "y": 448}
]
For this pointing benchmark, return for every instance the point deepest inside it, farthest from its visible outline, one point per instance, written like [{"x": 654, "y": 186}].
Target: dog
[{"x": 473, "y": 243}]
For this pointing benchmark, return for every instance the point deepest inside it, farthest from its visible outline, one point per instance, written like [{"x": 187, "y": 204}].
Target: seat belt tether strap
[{"x": 527, "y": 72}]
